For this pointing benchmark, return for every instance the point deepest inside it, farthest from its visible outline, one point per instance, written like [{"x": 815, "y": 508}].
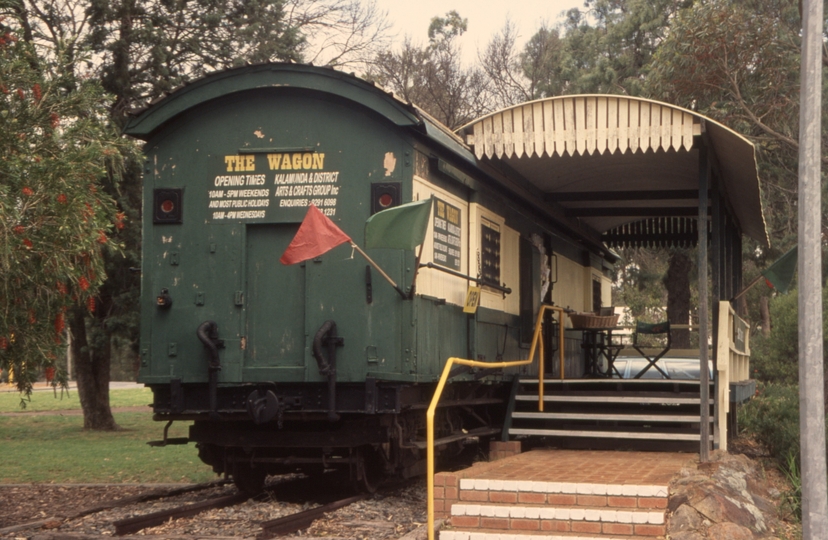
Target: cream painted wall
[
  {"x": 509, "y": 259},
  {"x": 570, "y": 291},
  {"x": 432, "y": 282},
  {"x": 606, "y": 291}
]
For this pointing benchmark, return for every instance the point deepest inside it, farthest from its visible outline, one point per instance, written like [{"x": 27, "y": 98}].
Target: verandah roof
[{"x": 614, "y": 160}]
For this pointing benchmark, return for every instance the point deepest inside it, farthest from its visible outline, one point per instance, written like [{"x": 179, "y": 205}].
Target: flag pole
[
  {"x": 416, "y": 271},
  {"x": 382, "y": 273},
  {"x": 748, "y": 287}
]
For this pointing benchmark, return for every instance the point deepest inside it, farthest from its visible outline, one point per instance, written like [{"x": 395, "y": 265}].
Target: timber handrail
[{"x": 537, "y": 344}]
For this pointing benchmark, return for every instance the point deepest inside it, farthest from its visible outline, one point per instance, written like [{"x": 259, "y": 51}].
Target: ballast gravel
[{"x": 390, "y": 515}]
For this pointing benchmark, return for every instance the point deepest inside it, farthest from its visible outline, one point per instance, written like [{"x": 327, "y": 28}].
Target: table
[{"x": 598, "y": 345}]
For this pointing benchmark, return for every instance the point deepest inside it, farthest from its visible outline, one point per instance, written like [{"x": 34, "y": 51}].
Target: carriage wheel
[{"x": 248, "y": 478}]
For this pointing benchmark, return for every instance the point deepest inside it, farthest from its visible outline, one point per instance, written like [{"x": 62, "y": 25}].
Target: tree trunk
[
  {"x": 677, "y": 283},
  {"x": 764, "y": 309},
  {"x": 93, "y": 377}
]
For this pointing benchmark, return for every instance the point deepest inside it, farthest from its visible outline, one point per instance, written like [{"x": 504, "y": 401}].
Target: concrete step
[
  {"x": 605, "y": 434},
  {"x": 637, "y": 400},
  {"x": 609, "y": 417}
]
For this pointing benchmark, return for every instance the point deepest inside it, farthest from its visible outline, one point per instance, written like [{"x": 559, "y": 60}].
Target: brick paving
[{"x": 588, "y": 466}]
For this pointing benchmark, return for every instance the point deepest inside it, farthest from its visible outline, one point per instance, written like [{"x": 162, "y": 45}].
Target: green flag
[
  {"x": 401, "y": 227},
  {"x": 780, "y": 274}
]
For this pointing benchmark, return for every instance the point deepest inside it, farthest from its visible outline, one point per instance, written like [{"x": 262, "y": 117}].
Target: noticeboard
[{"x": 448, "y": 232}]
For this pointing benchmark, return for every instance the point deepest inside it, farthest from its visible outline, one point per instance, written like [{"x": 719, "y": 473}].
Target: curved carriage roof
[
  {"x": 612, "y": 160},
  {"x": 298, "y": 76}
]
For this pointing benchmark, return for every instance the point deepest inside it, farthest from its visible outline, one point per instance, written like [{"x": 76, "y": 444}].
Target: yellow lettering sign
[
  {"x": 453, "y": 215},
  {"x": 273, "y": 161},
  {"x": 441, "y": 209},
  {"x": 240, "y": 163},
  {"x": 298, "y": 161},
  {"x": 472, "y": 299}
]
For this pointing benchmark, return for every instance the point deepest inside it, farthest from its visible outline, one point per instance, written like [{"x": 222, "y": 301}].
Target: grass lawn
[
  {"x": 45, "y": 400},
  {"x": 56, "y": 449}
]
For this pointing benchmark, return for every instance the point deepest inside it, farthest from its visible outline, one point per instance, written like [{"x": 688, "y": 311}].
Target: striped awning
[{"x": 611, "y": 160}]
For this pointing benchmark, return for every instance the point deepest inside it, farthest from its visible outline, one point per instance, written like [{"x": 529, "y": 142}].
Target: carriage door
[{"x": 275, "y": 303}]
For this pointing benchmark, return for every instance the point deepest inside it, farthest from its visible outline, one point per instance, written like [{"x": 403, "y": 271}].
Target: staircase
[
  {"x": 608, "y": 413},
  {"x": 527, "y": 510}
]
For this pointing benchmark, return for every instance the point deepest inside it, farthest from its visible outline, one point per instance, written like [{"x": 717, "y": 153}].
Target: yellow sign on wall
[{"x": 472, "y": 299}]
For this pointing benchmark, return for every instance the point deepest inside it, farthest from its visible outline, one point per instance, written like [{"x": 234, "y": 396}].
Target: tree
[
  {"x": 341, "y": 33},
  {"x": 514, "y": 77},
  {"x": 604, "y": 49},
  {"x": 433, "y": 77},
  {"x": 56, "y": 221},
  {"x": 638, "y": 284},
  {"x": 738, "y": 62},
  {"x": 677, "y": 283}
]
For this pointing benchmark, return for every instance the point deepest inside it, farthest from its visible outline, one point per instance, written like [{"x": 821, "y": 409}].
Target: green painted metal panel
[
  {"x": 275, "y": 303},
  {"x": 442, "y": 332},
  {"x": 237, "y": 222}
]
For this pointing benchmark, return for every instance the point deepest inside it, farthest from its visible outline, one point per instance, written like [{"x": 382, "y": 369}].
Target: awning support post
[{"x": 704, "y": 373}]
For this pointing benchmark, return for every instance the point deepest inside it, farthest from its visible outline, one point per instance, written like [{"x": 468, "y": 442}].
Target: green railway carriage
[{"x": 323, "y": 363}]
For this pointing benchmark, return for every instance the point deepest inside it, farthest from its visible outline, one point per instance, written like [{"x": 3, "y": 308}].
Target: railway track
[
  {"x": 138, "y": 523},
  {"x": 305, "y": 489},
  {"x": 275, "y": 527},
  {"x": 224, "y": 513},
  {"x": 302, "y": 520}
]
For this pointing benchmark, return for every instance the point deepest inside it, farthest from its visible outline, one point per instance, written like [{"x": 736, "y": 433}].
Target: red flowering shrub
[{"x": 59, "y": 221}]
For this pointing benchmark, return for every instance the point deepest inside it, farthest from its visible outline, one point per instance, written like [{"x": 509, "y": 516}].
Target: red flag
[{"x": 316, "y": 235}]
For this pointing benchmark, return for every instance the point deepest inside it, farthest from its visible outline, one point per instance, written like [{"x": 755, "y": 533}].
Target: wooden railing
[{"x": 732, "y": 364}]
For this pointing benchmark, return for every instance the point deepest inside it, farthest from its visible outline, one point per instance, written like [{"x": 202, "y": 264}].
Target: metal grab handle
[{"x": 537, "y": 344}]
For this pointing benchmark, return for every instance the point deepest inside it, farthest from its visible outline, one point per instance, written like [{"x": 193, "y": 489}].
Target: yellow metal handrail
[{"x": 537, "y": 342}]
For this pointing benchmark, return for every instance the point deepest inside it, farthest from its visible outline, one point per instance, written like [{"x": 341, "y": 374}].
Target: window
[{"x": 489, "y": 252}]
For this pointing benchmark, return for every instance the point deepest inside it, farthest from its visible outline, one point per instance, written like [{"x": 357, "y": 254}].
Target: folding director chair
[{"x": 651, "y": 329}]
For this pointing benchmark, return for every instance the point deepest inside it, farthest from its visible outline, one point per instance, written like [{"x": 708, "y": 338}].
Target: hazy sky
[{"x": 485, "y": 17}]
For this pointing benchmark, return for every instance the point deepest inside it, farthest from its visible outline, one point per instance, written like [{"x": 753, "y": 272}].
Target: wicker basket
[{"x": 591, "y": 320}]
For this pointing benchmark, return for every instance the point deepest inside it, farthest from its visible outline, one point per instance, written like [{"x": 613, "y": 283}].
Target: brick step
[
  {"x": 491, "y": 534},
  {"x": 619, "y": 496},
  {"x": 590, "y": 520}
]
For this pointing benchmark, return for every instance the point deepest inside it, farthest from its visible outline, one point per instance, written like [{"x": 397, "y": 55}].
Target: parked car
[{"x": 676, "y": 368}]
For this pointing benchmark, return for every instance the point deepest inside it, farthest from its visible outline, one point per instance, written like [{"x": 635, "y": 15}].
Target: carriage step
[
  {"x": 644, "y": 435},
  {"x": 613, "y": 399},
  {"x": 609, "y": 417}
]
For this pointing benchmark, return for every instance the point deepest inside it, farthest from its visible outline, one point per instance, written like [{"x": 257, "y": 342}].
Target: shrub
[
  {"x": 773, "y": 418},
  {"x": 775, "y": 359}
]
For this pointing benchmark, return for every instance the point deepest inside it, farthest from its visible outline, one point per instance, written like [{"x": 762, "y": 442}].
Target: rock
[
  {"x": 677, "y": 500},
  {"x": 720, "y": 509},
  {"x": 684, "y": 519},
  {"x": 729, "y": 531},
  {"x": 728, "y": 498},
  {"x": 687, "y": 535}
]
